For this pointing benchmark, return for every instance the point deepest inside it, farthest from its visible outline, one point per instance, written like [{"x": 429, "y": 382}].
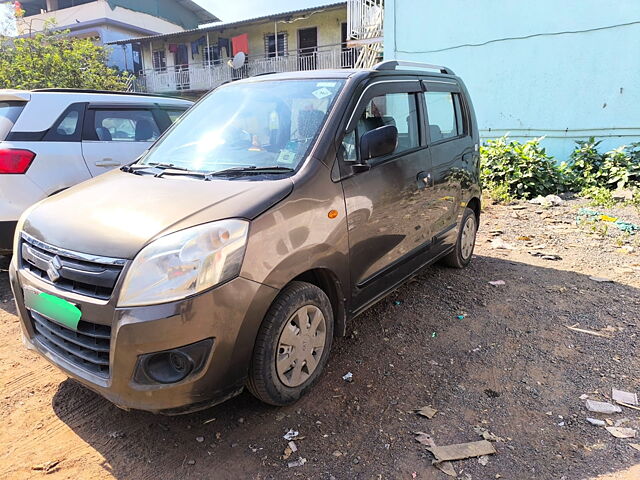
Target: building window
[
  {"x": 348, "y": 55},
  {"x": 159, "y": 60},
  {"x": 211, "y": 55},
  {"x": 270, "y": 45}
]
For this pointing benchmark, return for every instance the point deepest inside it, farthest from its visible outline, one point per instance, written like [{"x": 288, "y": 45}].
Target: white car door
[{"x": 117, "y": 135}]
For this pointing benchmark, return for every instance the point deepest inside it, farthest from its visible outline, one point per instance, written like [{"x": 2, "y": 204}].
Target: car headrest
[
  {"x": 104, "y": 134},
  {"x": 435, "y": 133},
  {"x": 144, "y": 130}
]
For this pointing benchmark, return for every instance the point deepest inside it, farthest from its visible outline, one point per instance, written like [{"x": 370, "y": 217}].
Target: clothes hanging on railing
[
  {"x": 223, "y": 43},
  {"x": 240, "y": 43},
  {"x": 173, "y": 47}
]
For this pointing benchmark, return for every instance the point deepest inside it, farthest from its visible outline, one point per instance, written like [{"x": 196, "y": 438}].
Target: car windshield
[{"x": 250, "y": 125}]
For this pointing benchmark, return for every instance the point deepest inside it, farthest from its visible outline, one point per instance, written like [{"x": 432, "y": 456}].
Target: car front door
[
  {"x": 384, "y": 200},
  {"x": 114, "y": 136},
  {"x": 452, "y": 151}
]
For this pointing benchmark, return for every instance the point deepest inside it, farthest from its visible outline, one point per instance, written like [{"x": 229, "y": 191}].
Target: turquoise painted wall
[{"x": 565, "y": 69}]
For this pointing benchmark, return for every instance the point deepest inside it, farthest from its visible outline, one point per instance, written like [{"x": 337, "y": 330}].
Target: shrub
[
  {"x": 519, "y": 170},
  {"x": 618, "y": 168}
]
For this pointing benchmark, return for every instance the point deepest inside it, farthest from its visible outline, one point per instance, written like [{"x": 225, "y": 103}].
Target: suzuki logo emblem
[{"x": 53, "y": 268}]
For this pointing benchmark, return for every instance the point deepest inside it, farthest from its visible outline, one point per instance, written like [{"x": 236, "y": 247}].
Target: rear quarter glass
[{"x": 9, "y": 113}]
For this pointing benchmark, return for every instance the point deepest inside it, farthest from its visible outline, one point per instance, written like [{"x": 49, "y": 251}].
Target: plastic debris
[
  {"x": 348, "y": 377},
  {"x": 499, "y": 244},
  {"x": 297, "y": 463},
  {"x": 292, "y": 445},
  {"x": 428, "y": 411},
  {"x": 602, "y": 407},
  {"x": 596, "y": 422},
  {"x": 601, "y": 279},
  {"x": 397, "y": 302},
  {"x": 483, "y": 460},
  {"x": 621, "y": 432},
  {"x": 595, "y": 215},
  {"x": 460, "y": 317},
  {"x": 584, "y": 396},
  {"x": 199, "y": 439},
  {"x": 620, "y": 396},
  {"x": 434, "y": 334},
  {"x": 496, "y": 283},
  {"x": 545, "y": 256},
  {"x": 549, "y": 200},
  {"x": 588, "y": 332},
  {"x": 291, "y": 435}
]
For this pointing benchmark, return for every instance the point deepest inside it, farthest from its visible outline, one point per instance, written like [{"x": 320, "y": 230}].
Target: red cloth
[{"x": 240, "y": 44}]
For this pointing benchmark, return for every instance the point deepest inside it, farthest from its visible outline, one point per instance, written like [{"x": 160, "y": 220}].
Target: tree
[{"x": 52, "y": 59}]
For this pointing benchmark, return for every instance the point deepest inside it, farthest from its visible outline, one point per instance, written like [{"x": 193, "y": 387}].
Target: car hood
[{"x": 116, "y": 214}]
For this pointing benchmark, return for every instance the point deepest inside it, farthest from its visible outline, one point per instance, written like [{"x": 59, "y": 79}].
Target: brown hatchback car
[{"x": 234, "y": 250}]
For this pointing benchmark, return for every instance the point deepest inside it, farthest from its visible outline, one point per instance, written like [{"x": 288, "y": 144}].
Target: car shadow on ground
[{"x": 496, "y": 356}]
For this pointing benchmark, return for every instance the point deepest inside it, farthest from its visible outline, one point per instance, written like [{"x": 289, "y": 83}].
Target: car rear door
[
  {"x": 452, "y": 150},
  {"x": 115, "y": 135}
]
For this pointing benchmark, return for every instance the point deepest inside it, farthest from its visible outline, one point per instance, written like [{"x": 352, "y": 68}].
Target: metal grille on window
[{"x": 270, "y": 45}]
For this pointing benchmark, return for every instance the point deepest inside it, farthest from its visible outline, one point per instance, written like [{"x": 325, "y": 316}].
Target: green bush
[
  {"x": 618, "y": 168},
  {"x": 519, "y": 170},
  {"x": 511, "y": 169}
]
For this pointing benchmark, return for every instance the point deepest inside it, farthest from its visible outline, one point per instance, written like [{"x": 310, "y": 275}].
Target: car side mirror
[{"x": 378, "y": 142}]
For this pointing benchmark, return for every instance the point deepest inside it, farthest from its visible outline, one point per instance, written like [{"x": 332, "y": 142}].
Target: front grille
[
  {"x": 88, "y": 347},
  {"x": 94, "y": 276}
]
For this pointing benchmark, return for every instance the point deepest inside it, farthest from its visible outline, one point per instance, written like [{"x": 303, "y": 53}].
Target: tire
[
  {"x": 461, "y": 255},
  {"x": 278, "y": 345}
]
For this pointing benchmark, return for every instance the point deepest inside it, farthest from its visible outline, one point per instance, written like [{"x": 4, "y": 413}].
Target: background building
[
  {"x": 110, "y": 20},
  {"x": 196, "y": 60},
  {"x": 567, "y": 70}
]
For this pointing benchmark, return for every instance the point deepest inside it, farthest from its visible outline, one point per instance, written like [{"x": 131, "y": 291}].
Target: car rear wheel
[
  {"x": 292, "y": 346},
  {"x": 461, "y": 255}
]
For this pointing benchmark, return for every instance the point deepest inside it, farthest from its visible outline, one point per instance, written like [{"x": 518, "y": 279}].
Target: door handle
[
  {"x": 107, "y": 162},
  {"x": 424, "y": 180}
]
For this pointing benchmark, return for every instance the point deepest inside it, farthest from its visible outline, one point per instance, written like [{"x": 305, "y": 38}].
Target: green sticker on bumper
[{"x": 54, "y": 308}]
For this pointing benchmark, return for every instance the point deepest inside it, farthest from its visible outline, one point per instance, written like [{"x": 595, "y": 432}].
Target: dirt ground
[{"x": 509, "y": 365}]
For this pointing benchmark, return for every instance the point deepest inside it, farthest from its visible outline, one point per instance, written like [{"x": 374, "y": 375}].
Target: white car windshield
[{"x": 253, "y": 125}]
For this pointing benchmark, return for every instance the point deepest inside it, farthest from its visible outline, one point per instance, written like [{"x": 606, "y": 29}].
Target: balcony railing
[
  {"x": 209, "y": 75},
  {"x": 365, "y": 19}
]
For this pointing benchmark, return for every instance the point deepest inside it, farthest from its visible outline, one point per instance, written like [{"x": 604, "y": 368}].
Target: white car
[{"x": 51, "y": 139}]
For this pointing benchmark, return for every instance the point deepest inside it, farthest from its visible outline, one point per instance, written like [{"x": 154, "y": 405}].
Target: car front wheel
[{"x": 292, "y": 346}]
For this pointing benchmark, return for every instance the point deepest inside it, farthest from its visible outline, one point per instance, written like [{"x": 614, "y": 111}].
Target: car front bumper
[{"x": 230, "y": 315}]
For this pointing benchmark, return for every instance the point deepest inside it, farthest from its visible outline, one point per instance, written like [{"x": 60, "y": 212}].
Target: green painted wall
[{"x": 166, "y": 9}]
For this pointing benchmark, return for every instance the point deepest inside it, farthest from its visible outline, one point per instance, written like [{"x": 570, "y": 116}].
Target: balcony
[
  {"x": 365, "y": 21},
  {"x": 198, "y": 77}
]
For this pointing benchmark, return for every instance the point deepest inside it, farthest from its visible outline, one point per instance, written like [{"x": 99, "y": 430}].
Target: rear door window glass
[
  {"x": 9, "y": 113},
  {"x": 128, "y": 125},
  {"x": 445, "y": 115}
]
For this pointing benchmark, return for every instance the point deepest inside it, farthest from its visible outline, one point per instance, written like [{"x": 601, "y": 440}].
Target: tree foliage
[{"x": 52, "y": 59}]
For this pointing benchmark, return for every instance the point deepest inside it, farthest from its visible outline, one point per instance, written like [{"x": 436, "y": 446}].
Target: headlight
[{"x": 185, "y": 263}]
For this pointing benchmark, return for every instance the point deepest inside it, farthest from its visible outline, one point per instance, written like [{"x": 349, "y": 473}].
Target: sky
[{"x": 234, "y": 10}]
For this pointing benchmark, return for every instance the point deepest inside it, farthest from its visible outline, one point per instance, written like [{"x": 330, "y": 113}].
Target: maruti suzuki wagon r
[{"x": 231, "y": 253}]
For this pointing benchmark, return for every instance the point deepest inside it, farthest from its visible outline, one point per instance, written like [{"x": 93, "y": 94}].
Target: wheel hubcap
[
  {"x": 300, "y": 345},
  {"x": 468, "y": 238}
]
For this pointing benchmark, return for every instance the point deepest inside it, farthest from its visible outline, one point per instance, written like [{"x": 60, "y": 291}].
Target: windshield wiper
[{"x": 250, "y": 170}]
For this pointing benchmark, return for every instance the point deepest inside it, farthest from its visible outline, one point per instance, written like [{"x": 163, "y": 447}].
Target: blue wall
[{"x": 575, "y": 75}]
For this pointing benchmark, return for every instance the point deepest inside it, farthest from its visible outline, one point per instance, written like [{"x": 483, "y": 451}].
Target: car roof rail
[
  {"x": 393, "y": 64},
  {"x": 107, "y": 92}
]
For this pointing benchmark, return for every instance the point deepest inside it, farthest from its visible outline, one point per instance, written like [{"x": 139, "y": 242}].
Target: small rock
[
  {"x": 191, "y": 462},
  {"x": 337, "y": 453},
  {"x": 199, "y": 439}
]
